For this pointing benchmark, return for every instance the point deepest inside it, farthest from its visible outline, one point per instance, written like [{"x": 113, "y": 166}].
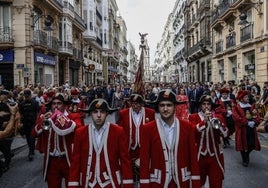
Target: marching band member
[
  {"x": 246, "y": 118},
  {"x": 228, "y": 105},
  {"x": 210, "y": 128},
  {"x": 168, "y": 155},
  {"x": 57, "y": 130},
  {"x": 131, "y": 119},
  {"x": 100, "y": 157}
]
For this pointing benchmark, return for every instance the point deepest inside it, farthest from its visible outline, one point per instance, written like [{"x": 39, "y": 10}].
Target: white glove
[
  {"x": 229, "y": 113},
  {"x": 251, "y": 124}
]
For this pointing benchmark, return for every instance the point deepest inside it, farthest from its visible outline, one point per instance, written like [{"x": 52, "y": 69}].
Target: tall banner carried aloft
[
  {"x": 138, "y": 84},
  {"x": 139, "y": 81}
]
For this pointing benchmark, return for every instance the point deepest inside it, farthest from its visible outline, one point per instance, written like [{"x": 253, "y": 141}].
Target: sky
[{"x": 145, "y": 16}]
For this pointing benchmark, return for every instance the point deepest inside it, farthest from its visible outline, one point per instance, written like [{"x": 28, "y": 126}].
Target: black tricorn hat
[
  {"x": 99, "y": 104},
  {"x": 136, "y": 98},
  {"x": 206, "y": 98},
  {"x": 167, "y": 95}
]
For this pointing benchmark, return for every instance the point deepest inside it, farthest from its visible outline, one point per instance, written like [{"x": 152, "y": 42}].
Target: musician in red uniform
[
  {"x": 246, "y": 119},
  {"x": 100, "y": 157},
  {"x": 168, "y": 153},
  {"x": 208, "y": 139},
  {"x": 57, "y": 130},
  {"x": 131, "y": 119},
  {"x": 228, "y": 104},
  {"x": 76, "y": 104}
]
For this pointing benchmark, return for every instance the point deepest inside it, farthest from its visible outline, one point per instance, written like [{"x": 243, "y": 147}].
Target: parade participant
[
  {"x": 210, "y": 127},
  {"x": 57, "y": 131},
  {"x": 100, "y": 156},
  {"x": 29, "y": 109},
  {"x": 168, "y": 155},
  {"x": 228, "y": 105},
  {"x": 246, "y": 119},
  {"x": 77, "y": 103},
  {"x": 131, "y": 119}
]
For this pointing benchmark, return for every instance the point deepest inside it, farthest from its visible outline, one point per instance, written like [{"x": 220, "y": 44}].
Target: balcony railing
[
  {"x": 53, "y": 43},
  {"x": 246, "y": 33},
  {"x": 65, "y": 47},
  {"x": 219, "y": 46},
  {"x": 230, "y": 40},
  {"x": 40, "y": 38},
  {"x": 6, "y": 34}
]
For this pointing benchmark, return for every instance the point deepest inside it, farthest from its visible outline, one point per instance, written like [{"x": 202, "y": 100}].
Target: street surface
[{"x": 25, "y": 174}]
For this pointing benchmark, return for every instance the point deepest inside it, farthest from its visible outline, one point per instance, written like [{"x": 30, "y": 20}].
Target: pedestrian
[
  {"x": 100, "y": 156},
  {"x": 210, "y": 127},
  {"x": 246, "y": 119},
  {"x": 131, "y": 119},
  {"x": 7, "y": 129},
  {"x": 29, "y": 109},
  {"x": 263, "y": 126},
  {"x": 168, "y": 155},
  {"x": 56, "y": 130}
]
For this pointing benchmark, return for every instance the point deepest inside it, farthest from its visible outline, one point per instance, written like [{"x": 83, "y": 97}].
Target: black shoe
[
  {"x": 224, "y": 146},
  {"x": 30, "y": 157},
  {"x": 5, "y": 169},
  {"x": 245, "y": 164}
]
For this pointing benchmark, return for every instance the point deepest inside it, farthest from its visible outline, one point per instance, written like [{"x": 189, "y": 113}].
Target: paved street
[{"x": 25, "y": 174}]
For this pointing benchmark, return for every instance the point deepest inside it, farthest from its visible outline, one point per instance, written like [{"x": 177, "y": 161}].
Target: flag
[{"x": 139, "y": 84}]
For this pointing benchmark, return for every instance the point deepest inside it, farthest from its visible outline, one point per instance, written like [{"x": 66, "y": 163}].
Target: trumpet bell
[
  {"x": 215, "y": 123},
  {"x": 46, "y": 124}
]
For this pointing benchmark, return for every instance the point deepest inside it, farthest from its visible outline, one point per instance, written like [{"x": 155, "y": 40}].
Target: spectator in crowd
[
  {"x": 210, "y": 128},
  {"x": 100, "y": 156},
  {"x": 246, "y": 118},
  {"x": 118, "y": 98},
  {"x": 56, "y": 130},
  {"x": 168, "y": 155},
  {"x": 131, "y": 119},
  {"x": 29, "y": 109},
  {"x": 182, "y": 110}
]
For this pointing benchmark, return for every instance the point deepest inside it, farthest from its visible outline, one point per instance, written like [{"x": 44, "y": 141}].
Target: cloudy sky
[{"x": 145, "y": 16}]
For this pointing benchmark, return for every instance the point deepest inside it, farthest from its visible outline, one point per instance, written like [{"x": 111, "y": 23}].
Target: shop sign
[
  {"x": 6, "y": 56},
  {"x": 44, "y": 59}
]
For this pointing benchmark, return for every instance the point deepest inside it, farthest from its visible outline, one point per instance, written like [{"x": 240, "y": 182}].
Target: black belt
[{"x": 58, "y": 156}]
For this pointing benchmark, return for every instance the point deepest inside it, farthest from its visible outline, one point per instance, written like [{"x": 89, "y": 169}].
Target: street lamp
[{"x": 48, "y": 21}]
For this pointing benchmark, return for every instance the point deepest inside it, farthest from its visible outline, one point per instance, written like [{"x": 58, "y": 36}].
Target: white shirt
[
  {"x": 137, "y": 118},
  {"x": 98, "y": 134},
  {"x": 169, "y": 132}
]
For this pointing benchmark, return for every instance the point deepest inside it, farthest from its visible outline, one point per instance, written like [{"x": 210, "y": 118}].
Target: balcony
[
  {"x": 53, "y": 43},
  {"x": 66, "y": 47},
  {"x": 231, "y": 40},
  {"x": 219, "y": 46},
  {"x": 6, "y": 35},
  {"x": 40, "y": 38},
  {"x": 246, "y": 33}
]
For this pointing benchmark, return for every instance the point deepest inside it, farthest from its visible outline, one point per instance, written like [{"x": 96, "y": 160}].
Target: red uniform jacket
[
  {"x": 126, "y": 121},
  {"x": 107, "y": 166},
  {"x": 204, "y": 136},
  {"x": 155, "y": 156},
  {"x": 65, "y": 138},
  {"x": 241, "y": 127}
]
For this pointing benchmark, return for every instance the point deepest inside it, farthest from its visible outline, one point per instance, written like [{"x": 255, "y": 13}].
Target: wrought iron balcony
[
  {"x": 231, "y": 40},
  {"x": 246, "y": 33},
  {"x": 6, "y": 35},
  {"x": 219, "y": 46}
]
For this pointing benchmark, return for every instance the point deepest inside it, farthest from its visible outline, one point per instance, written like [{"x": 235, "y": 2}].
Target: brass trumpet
[
  {"x": 214, "y": 122},
  {"x": 46, "y": 122}
]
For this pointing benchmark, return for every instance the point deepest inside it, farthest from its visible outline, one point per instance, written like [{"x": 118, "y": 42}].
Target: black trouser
[
  {"x": 30, "y": 140},
  {"x": 5, "y": 148}
]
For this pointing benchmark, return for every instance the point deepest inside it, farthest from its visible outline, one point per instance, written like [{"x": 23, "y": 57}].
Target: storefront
[
  {"x": 6, "y": 68},
  {"x": 44, "y": 68}
]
